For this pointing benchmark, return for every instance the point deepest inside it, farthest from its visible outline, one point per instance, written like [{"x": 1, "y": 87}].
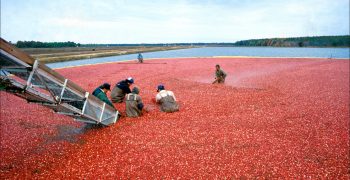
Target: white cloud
[{"x": 132, "y": 21}]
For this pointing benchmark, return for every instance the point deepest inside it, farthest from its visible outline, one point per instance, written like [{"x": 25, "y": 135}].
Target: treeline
[
  {"x": 38, "y": 44},
  {"x": 317, "y": 41},
  {"x": 159, "y": 44}
]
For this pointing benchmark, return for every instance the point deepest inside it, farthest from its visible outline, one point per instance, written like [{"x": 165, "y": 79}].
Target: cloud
[{"x": 132, "y": 21}]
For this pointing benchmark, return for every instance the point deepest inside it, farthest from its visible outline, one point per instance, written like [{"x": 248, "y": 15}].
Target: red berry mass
[{"x": 282, "y": 118}]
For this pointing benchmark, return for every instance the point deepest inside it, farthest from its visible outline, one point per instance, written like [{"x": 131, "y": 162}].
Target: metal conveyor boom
[{"x": 29, "y": 79}]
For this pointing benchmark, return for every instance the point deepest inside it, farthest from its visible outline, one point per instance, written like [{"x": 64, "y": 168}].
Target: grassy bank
[{"x": 49, "y": 55}]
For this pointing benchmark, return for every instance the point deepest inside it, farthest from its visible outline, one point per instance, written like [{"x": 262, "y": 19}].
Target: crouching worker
[
  {"x": 121, "y": 89},
  {"x": 133, "y": 103},
  {"x": 220, "y": 75},
  {"x": 101, "y": 93},
  {"x": 167, "y": 100}
]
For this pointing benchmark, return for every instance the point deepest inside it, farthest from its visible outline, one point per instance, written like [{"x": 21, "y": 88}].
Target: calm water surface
[{"x": 219, "y": 51}]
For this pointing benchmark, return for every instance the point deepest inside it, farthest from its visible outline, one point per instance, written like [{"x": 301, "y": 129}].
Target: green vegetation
[
  {"x": 38, "y": 44},
  {"x": 317, "y": 41}
]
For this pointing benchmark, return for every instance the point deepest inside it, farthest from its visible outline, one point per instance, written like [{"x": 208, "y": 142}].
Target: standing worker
[
  {"x": 121, "y": 89},
  {"x": 133, "y": 103},
  {"x": 140, "y": 58},
  {"x": 220, "y": 75},
  {"x": 166, "y": 99},
  {"x": 101, "y": 93}
]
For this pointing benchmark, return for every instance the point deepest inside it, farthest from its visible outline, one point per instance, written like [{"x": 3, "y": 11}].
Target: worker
[
  {"x": 99, "y": 89},
  {"x": 121, "y": 89},
  {"x": 133, "y": 103},
  {"x": 220, "y": 75},
  {"x": 140, "y": 58},
  {"x": 166, "y": 99},
  {"x": 101, "y": 93}
]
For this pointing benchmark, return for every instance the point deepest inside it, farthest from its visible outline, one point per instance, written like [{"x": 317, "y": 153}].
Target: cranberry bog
[{"x": 273, "y": 118}]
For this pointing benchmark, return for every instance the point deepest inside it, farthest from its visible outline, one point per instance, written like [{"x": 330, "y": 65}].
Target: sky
[{"x": 170, "y": 21}]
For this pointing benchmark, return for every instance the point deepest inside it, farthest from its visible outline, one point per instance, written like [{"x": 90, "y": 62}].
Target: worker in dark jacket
[
  {"x": 166, "y": 99},
  {"x": 134, "y": 103},
  {"x": 121, "y": 89},
  {"x": 101, "y": 93},
  {"x": 220, "y": 75}
]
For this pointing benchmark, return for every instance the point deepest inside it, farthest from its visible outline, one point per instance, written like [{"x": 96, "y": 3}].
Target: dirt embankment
[{"x": 49, "y": 55}]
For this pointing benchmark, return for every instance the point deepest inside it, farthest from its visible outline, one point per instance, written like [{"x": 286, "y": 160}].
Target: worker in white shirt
[{"x": 166, "y": 99}]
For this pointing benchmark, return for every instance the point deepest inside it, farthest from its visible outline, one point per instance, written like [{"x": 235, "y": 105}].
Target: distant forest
[
  {"x": 38, "y": 44},
  {"x": 317, "y": 41}
]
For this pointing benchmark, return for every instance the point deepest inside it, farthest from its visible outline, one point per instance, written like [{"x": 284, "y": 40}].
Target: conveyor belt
[{"x": 29, "y": 79}]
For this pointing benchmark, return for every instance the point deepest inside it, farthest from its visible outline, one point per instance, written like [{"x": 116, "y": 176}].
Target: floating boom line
[{"x": 29, "y": 79}]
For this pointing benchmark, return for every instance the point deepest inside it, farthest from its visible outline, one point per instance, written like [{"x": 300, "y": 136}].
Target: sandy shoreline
[{"x": 274, "y": 118}]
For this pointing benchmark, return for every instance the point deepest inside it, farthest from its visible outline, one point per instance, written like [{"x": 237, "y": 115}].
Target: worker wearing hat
[
  {"x": 121, "y": 89},
  {"x": 101, "y": 93},
  {"x": 166, "y": 99},
  {"x": 133, "y": 103}
]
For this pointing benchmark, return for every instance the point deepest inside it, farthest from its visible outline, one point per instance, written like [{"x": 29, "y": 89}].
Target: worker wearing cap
[
  {"x": 121, "y": 89},
  {"x": 166, "y": 99},
  {"x": 133, "y": 103},
  {"x": 220, "y": 75},
  {"x": 101, "y": 93}
]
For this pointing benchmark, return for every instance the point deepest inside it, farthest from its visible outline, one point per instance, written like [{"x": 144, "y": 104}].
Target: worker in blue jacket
[
  {"x": 121, "y": 89},
  {"x": 140, "y": 58},
  {"x": 101, "y": 93}
]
